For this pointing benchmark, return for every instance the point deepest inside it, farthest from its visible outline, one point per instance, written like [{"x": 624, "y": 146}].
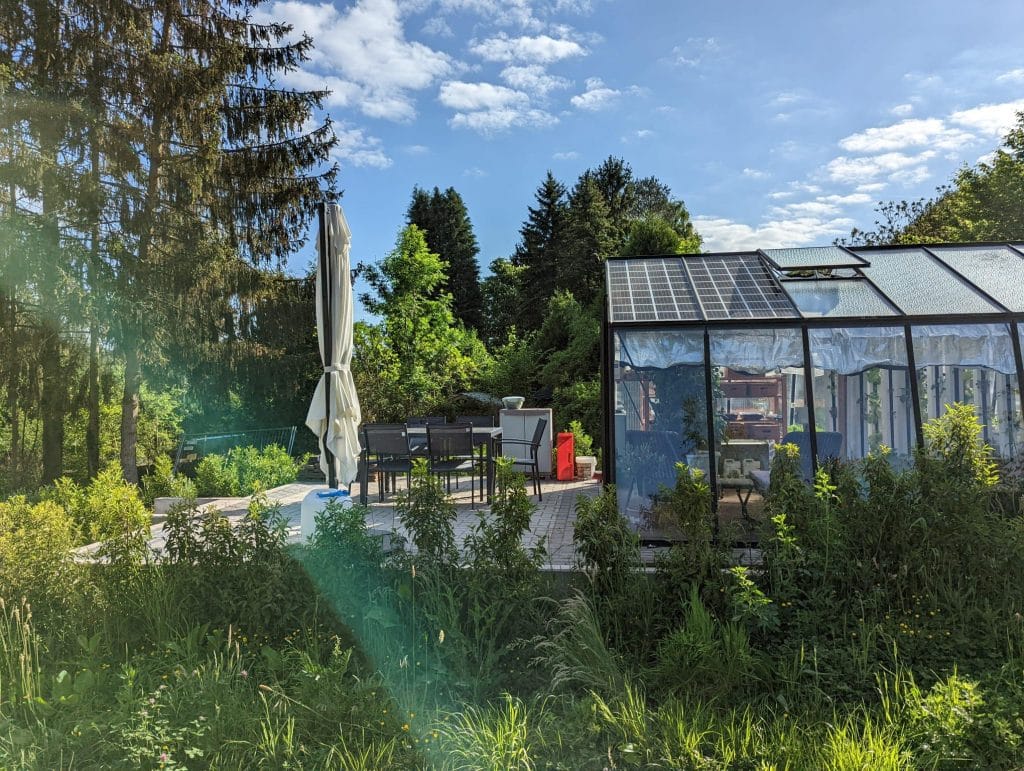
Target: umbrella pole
[{"x": 326, "y": 282}]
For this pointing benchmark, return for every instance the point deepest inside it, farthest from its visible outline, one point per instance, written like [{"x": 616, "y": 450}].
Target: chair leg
[{"x": 536, "y": 480}]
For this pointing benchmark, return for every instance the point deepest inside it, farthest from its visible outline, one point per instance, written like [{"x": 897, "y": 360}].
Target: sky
[{"x": 778, "y": 123}]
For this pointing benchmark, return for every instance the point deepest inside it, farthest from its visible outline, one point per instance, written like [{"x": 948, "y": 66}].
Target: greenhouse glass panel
[
  {"x": 759, "y": 401},
  {"x": 971, "y": 364},
  {"x": 812, "y": 257},
  {"x": 660, "y": 413},
  {"x": 920, "y": 285},
  {"x": 862, "y": 391},
  {"x": 996, "y": 270},
  {"x": 836, "y": 298}
]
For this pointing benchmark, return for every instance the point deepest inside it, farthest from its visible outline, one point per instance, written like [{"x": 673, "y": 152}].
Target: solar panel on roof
[
  {"x": 737, "y": 287},
  {"x": 651, "y": 289},
  {"x": 813, "y": 257}
]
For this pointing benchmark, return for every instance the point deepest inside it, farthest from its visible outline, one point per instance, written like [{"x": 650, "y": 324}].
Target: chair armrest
[{"x": 519, "y": 441}]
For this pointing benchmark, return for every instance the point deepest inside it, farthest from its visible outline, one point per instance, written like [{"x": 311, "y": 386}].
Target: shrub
[
  {"x": 582, "y": 442},
  {"x": 235, "y": 573},
  {"x": 162, "y": 482},
  {"x": 581, "y": 402},
  {"x": 35, "y": 551},
  {"x": 428, "y": 515},
  {"x": 215, "y": 477},
  {"x": 113, "y": 506},
  {"x": 246, "y": 470},
  {"x": 263, "y": 469}
]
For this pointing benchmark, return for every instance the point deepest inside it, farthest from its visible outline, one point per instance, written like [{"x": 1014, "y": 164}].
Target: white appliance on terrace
[{"x": 520, "y": 425}]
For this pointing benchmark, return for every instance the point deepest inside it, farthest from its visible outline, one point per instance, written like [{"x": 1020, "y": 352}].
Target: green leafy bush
[
  {"x": 582, "y": 442},
  {"x": 102, "y": 508},
  {"x": 428, "y": 515},
  {"x": 35, "y": 552},
  {"x": 162, "y": 482},
  {"x": 215, "y": 477},
  {"x": 246, "y": 470}
]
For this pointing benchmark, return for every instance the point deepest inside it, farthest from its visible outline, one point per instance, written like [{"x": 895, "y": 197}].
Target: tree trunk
[
  {"x": 13, "y": 378},
  {"x": 92, "y": 429},
  {"x": 130, "y": 415},
  {"x": 52, "y": 404}
]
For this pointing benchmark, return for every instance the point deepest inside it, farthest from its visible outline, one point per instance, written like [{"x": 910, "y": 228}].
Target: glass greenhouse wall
[{"x": 712, "y": 360}]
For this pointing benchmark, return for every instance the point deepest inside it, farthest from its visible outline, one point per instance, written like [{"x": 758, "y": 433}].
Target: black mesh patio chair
[
  {"x": 387, "y": 452},
  {"x": 451, "y": 451},
  {"x": 485, "y": 421},
  {"x": 427, "y": 420},
  {"x": 533, "y": 462},
  {"x": 479, "y": 421},
  {"x": 418, "y": 442}
]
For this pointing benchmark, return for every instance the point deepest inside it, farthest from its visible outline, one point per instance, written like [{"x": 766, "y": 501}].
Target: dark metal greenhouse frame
[{"x": 859, "y": 258}]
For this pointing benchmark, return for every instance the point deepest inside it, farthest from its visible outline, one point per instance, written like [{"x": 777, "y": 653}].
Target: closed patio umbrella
[{"x": 334, "y": 414}]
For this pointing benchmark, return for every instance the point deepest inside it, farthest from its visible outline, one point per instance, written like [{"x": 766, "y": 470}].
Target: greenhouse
[{"x": 713, "y": 359}]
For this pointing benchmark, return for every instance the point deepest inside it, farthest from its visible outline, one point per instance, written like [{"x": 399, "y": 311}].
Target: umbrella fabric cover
[{"x": 345, "y": 416}]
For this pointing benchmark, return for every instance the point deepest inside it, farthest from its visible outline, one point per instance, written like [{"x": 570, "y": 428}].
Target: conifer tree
[
  {"x": 590, "y": 240},
  {"x": 449, "y": 233},
  {"x": 540, "y": 250},
  {"x": 220, "y": 166}
]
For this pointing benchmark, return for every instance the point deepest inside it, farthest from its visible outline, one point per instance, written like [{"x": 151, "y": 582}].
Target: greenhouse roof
[{"x": 833, "y": 283}]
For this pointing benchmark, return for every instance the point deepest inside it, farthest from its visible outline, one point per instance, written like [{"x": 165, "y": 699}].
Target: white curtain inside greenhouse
[{"x": 842, "y": 350}]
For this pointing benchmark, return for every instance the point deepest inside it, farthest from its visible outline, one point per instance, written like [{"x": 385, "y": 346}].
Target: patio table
[{"x": 488, "y": 437}]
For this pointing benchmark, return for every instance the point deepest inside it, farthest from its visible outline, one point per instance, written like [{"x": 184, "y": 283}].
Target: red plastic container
[{"x": 566, "y": 457}]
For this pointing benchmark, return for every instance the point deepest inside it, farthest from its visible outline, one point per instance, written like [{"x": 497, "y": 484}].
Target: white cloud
[
  {"x": 598, "y": 96},
  {"x": 505, "y": 13},
  {"x": 533, "y": 79},
  {"x": 466, "y": 97},
  {"x": 806, "y": 208},
  {"x": 501, "y": 119},
  {"x": 568, "y": 155},
  {"x": 755, "y": 173},
  {"x": 416, "y": 149},
  {"x": 474, "y": 171},
  {"x": 438, "y": 27},
  {"x": 859, "y": 170},
  {"x": 902, "y": 110},
  {"x": 721, "y": 234},
  {"x": 784, "y": 98},
  {"x": 913, "y": 175},
  {"x": 696, "y": 50},
  {"x": 849, "y": 199},
  {"x": 542, "y": 49},
  {"x": 780, "y": 194},
  {"x": 637, "y": 136},
  {"x": 989, "y": 119},
  {"x": 364, "y": 55},
  {"x": 870, "y": 187},
  {"x": 1013, "y": 76},
  {"x": 913, "y": 132},
  {"x": 357, "y": 149}
]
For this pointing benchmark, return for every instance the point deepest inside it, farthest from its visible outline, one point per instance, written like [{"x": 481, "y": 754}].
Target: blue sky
[{"x": 778, "y": 123}]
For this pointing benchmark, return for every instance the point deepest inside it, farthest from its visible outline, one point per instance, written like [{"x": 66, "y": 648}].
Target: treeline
[
  {"x": 152, "y": 181},
  {"x": 533, "y": 326}
]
